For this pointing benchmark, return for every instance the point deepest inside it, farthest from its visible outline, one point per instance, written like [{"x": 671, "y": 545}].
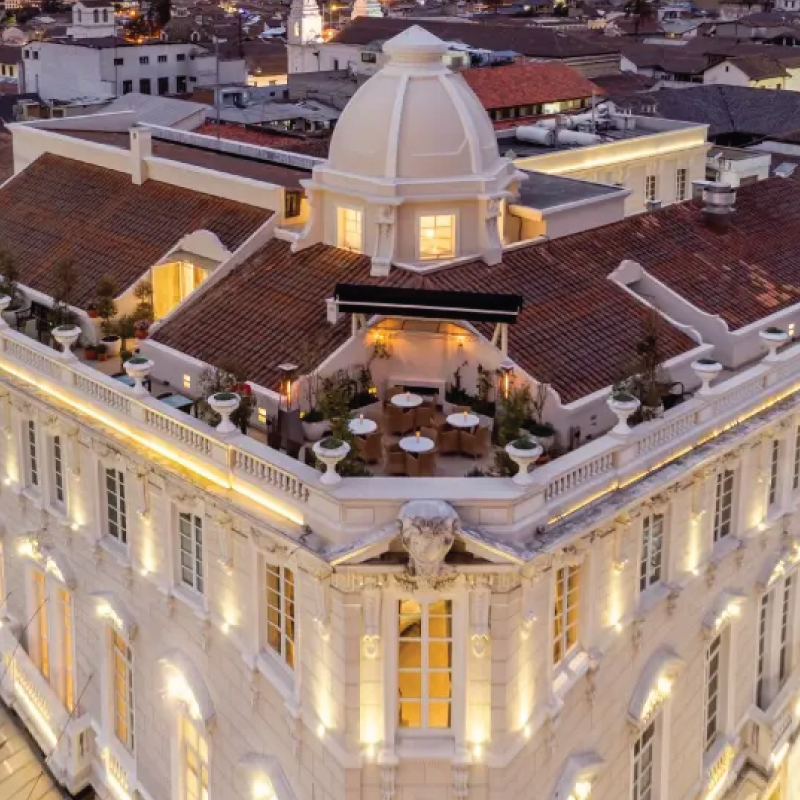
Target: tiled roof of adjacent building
[
  {"x": 526, "y": 84},
  {"x": 577, "y": 328},
  {"x": 528, "y": 41},
  {"x": 60, "y": 208},
  {"x": 759, "y": 67}
]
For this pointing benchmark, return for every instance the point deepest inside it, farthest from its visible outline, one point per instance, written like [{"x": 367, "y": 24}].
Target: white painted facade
[
  {"x": 71, "y": 71},
  {"x": 731, "y": 75}
]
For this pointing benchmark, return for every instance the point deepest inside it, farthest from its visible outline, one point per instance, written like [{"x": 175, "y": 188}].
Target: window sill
[
  {"x": 422, "y": 745},
  {"x": 196, "y": 603},
  {"x": 32, "y": 495},
  {"x": 724, "y": 548},
  {"x": 119, "y": 552},
  {"x": 568, "y": 673},
  {"x": 278, "y": 674},
  {"x": 651, "y": 598}
]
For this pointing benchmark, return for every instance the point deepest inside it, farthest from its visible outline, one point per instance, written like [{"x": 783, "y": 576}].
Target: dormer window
[
  {"x": 351, "y": 230},
  {"x": 437, "y": 236}
]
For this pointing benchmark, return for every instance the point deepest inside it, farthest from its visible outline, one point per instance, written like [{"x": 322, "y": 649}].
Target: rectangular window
[
  {"x": 123, "y": 690},
  {"x": 713, "y": 656},
  {"x": 652, "y": 545},
  {"x": 680, "y": 184},
  {"x": 281, "y": 612},
  {"x": 565, "y": 612},
  {"x": 195, "y": 762},
  {"x": 784, "y": 663},
  {"x": 180, "y": 57},
  {"x": 118, "y": 62},
  {"x": 437, "y": 236},
  {"x": 116, "y": 509},
  {"x": 650, "y": 188},
  {"x": 796, "y": 474},
  {"x": 144, "y": 59},
  {"x": 369, "y": 58},
  {"x": 425, "y": 664},
  {"x": 127, "y": 87},
  {"x": 33, "y": 461},
  {"x": 67, "y": 688},
  {"x": 144, "y": 86},
  {"x": 773, "y": 472},
  {"x": 761, "y": 666},
  {"x": 191, "y": 535},
  {"x": 41, "y": 653},
  {"x": 643, "y": 764},
  {"x": 723, "y": 506},
  {"x": 162, "y": 59},
  {"x": 58, "y": 472},
  {"x": 350, "y": 230}
]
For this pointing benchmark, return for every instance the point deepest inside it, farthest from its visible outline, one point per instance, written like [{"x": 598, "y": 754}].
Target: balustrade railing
[{"x": 583, "y": 473}]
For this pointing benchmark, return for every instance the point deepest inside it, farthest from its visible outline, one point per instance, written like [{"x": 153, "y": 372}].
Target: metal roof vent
[{"x": 718, "y": 200}]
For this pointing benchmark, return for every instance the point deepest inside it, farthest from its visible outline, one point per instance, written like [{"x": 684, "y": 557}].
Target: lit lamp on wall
[
  {"x": 506, "y": 374},
  {"x": 288, "y": 373}
]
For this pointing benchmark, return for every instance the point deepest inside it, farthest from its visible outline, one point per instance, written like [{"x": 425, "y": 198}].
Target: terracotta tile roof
[
  {"x": 311, "y": 147},
  {"x": 59, "y": 208},
  {"x": 526, "y": 84},
  {"x": 576, "y": 326},
  {"x": 525, "y": 40}
]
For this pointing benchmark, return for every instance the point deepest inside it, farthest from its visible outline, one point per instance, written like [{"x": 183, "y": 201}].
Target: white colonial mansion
[{"x": 609, "y": 610}]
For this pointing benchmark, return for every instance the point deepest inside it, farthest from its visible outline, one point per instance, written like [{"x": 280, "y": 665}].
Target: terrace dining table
[
  {"x": 416, "y": 444},
  {"x": 407, "y": 400}
]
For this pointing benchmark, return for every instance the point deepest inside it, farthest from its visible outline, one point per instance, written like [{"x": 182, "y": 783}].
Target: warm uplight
[
  {"x": 321, "y": 730},
  {"x": 262, "y": 790},
  {"x": 582, "y": 790},
  {"x": 664, "y": 685},
  {"x": 178, "y": 689}
]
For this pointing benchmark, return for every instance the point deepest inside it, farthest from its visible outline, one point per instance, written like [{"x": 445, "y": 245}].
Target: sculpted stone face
[{"x": 428, "y": 529}]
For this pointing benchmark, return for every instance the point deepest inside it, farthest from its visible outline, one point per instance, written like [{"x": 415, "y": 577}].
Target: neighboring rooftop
[
  {"x": 155, "y": 110},
  {"x": 527, "y": 84},
  {"x": 759, "y": 67},
  {"x": 525, "y": 40},
  {"x": 544, "y": 191},
  {"x": 60, "y": 208},
  {"x": 316, "y": 146}
]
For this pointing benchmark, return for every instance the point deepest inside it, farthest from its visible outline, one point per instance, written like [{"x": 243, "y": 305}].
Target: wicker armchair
[
  {"x": 390, "y": 393},
  {"x": 449, "y": 440},
  {"x": 412, "y": 466},
  {"x": 395, "y": 460},
  {"x": 399, "y": 421},
  {"x": 428, "y": 462},
  {"x": 370, "y": 448},
  {"x": 423, "y": 416},
  {"x": 475, "y": 445},
  {"x": 430, "y": 433}
]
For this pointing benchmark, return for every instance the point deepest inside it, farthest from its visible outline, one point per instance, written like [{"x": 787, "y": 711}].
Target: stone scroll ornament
[{"x": 428, "y": 529}]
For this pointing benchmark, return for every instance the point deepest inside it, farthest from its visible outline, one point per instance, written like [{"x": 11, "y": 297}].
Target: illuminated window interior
[
  {"x": 425, "y": 664},
  {"x": 195, "y": 762},
  {"x": 67, "y": 687},
  {"x": 280, "y": 612},
  {"x": 123, "y": 690},
  {"x": 437, "y": 236},
  {"x": 351, "y": 230},
  {"x": 172, "y": 282},
  {"x": 41, "y": 650},
  {"x": 565, "y": 612}
]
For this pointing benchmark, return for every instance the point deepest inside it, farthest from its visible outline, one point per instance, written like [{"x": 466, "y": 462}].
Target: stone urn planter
[
  {"x": 623, "y": 405},
  {"x": 523, "y": 452},
  {"x": 706, "y": 369},
  {"x": 5, "y": 302},
  {"x": 330, "y": 452},
  {"x": 773, "y": 338},
  {"x": 66, "y": 336},
  {"x": 113, "y": 345},
  {"x": 224, "y": 403},
  {"x": 138, "y": 368},
  {"x": 543, "y": 433},
  {"x": 313, "y": 427}
]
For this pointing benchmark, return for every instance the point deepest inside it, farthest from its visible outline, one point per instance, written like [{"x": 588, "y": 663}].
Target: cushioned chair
[
  {"x": 427, "y": 463},
  {"x": 412, "y": 466},
  {"x": 423, "y": 416},
  {"x": 395, "y": 460},
  {"x": 390, "y": 393},
  {"x": 475, "y": 445},
  {"x": 370, "y": 448},
  {"x": 460, "y": 409},
  {"x": 399, "y": 421},
  {"x": 430, "y": 433},
  {"x": 449, "y": 440}
]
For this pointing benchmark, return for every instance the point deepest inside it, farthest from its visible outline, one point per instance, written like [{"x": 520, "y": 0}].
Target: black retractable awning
[{"x": 427, "y": 303}]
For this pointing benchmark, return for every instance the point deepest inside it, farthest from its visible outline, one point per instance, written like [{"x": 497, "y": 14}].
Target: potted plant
[
  {"x": 141, "y": 328},
  {"x": 107, "y": 290},
  {"x": 224, "y": 404},
  {"x": 138, "y": 368},
  {"x": 314, "y": 424},
  {"x": 773, "y": 337},
  {"x": 623, "y": 404},
  {"x": 225, "y": 378},
  {"x": 66, "y": 336},
  {"x": 9, "y": 277},
  {"x": 706, "y": 369},
  {"x": 330, "y": 451},
  {"x": 143, "y": 292},
  {"x": 90, "y": 351},
  {"x": 101, "y": 352},
  {"x": 91, "y": 310},
  {"x": 524, "y": 452}
]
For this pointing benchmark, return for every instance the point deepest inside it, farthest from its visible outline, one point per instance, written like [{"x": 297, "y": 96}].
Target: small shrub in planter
[
  {"x": 775, "y": 330},
  {"x": 90, "y": 352},
  {"x": 623, "y": 397},
  {"x": 524, "y": 444},
  {"x": 125, "y": 355},
  {"x": 542, "y": 429},
  {"x": 139, "y": 360},
  {"x": 331, "y": 443},
  {"x": 101, "y": 352},
  {"x": 92, "y": 311},
  {"x": 312, "y": 415},
  {"x": 141, "y": 328},
  {"x": 707, "y": 361},
  {"x": 224, "y": 396}
]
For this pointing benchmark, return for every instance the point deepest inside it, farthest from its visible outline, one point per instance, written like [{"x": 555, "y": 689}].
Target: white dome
[{"x": 415, "y": 120}]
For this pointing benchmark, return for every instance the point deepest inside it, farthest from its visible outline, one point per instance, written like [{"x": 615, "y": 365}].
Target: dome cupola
[{"x": 414, "y": 175}]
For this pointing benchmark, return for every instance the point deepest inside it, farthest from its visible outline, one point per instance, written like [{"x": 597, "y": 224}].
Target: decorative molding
[
  {"x": 388, "y": 781},
  {"x": 460, "y": 768},
  {"x": 480, "y": 605},
  {"x": 654, "y": 686},
  {"x": 428, "y": 529},
  {"x": 725, "y": 608},
  {"x": 322, "y": 607},
  {"x": 224, "y": 525},
  {"x": 577, "y": 776},
  {"x": 371, "y": 618}
]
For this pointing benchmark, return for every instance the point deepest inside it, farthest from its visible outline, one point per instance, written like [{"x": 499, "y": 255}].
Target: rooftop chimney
[
  {"x": 718, "y": 200},
  {"x": 141, "y": 149},
  {"x": 698, "y": 187}
]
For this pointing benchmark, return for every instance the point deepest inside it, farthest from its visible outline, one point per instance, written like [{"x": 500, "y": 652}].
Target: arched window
[
  {"x": 105, "y": 15},
  {"x": 96, "y": 16}
]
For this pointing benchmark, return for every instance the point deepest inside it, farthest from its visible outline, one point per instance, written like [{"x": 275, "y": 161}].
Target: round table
[
  {"x": 463, "y": 420},
  {"x": 416, "y": 444},
  {"x": 407, "y": 400},
  {"x": 362, "y": 426}
]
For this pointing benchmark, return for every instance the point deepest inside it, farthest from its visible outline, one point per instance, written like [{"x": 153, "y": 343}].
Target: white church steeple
[{"x": 303, "y": 34}]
